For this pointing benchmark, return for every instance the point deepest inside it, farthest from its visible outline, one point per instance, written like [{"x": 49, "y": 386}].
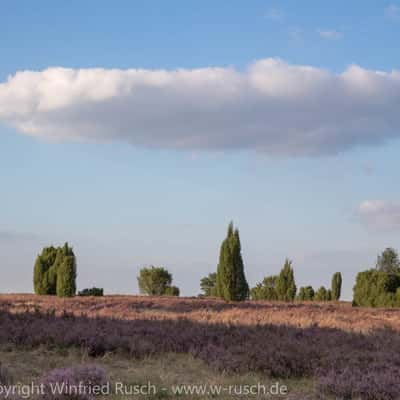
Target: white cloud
[
  {"x": 392, "y": 11},
  {"x": 272, "y": 107},
  {"x": 379, "y": 214},
  {"x": 330, "y": 35}
]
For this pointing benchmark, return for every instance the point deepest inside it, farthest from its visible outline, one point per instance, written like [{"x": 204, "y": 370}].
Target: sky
[{"x": 137, "y": 131}]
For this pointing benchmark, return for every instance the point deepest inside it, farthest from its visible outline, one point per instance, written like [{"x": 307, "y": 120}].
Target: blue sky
[{"x": 139, "y": 196}]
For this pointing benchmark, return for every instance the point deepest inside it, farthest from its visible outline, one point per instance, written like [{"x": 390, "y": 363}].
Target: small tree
[
  {"x": 231, "y": 281},
  {"x": 208, "y": 285},
  {"x": 322, "y": 294},
  {"x": 336, "y": 286},
  {"x": 172, "y": 291},
  {"x": 309, "y": 293},
  {"x": 154, "y": 281},
  {"x": 388, "y": 261},
  {"x": 265, "y": 290},
  {"x": 286, "y": 286},
  {"x": 306, "y": 293}
]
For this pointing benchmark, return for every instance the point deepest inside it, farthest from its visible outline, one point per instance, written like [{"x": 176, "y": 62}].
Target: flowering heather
[
  {"x": 5, "y": 376},
  {"x": 86, "y": 375},
  {"x": 378, "y": 381},
  {"x": 352, "y": 353}
]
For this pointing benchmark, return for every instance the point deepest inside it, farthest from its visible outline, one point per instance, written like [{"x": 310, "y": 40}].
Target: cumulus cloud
[
  {"x": 272, "y": 107},
  {"x": 330, "y": 35},
  {"x": 380, "y": 214}
]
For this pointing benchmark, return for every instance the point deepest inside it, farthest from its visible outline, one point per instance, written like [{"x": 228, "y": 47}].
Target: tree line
[
  {"x": 229, "y": 282},
  {"x": 55, "y": 273}
]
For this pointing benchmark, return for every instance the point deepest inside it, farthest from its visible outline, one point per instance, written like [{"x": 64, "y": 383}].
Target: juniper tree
[
  {"x": 265, "y": 290},
  {"x": 286, "y": 286},
  {"x": 231, "y": 281},
  {"x": 39, "y": 272},
  {"x": 46, "y": 273},
  {"x": 336, "y": 286},
  {"x": 375, "y": 288},
  {"x": 321, "y": 294},
  {"x": 306, "y": 293},
  {"x": 66, "y": 277},
  {"x": 388, "y": 261},
  {"x": 309, "y": 293}
]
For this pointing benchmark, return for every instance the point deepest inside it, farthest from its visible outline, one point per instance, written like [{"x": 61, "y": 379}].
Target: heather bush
[
  {"x": 59, "y": 380},
  {"x": 375, "y": 382},
  {"x": 5, "y": 375}
]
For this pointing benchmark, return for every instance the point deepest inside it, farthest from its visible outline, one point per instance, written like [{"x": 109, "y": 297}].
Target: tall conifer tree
[
  {"x": 66, "y": 277},
  {"x": 336, "y": 286},
  {"x": 231, "y": 281},
  {"x": 286, "y": 286}
]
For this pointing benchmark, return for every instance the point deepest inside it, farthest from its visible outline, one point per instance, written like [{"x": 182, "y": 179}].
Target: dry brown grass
[{"x": 340, "y": 315}]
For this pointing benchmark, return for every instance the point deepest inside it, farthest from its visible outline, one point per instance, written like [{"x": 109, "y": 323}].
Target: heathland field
[{"x": 318, "y": 350}]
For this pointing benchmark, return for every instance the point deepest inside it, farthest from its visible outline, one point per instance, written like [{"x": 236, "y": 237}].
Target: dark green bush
[
  {"x": 172, "y": 291},
  {"x": 265, "y": 290},
  {"x": 306, "y": 293},
  {"x": 377, "y": 288},
  {"x": 94, "y": 291}
]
